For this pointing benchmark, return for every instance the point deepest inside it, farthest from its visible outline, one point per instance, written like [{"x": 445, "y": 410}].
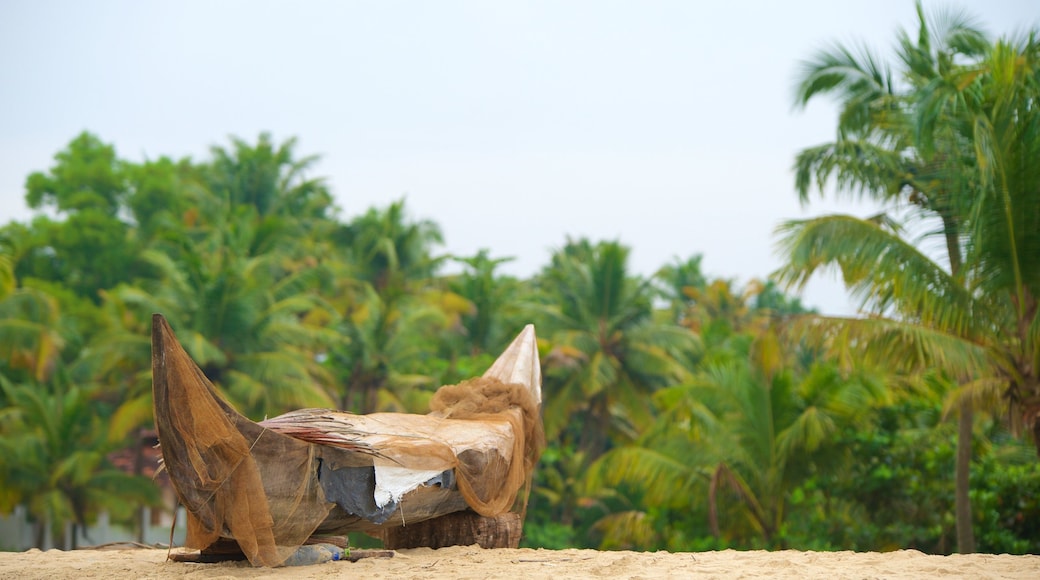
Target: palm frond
[
  {"x": 725, "y": 478},
  {"x": 128, "y": 416},
  {"x": 811, "y": 429},
  {"x": 881, "y": 269},
  {"x": 859, "y": 167},
  {"x": 896, "y": 346},
  {"x": 626, "y": 530},
  {"x": 666, "y": 480},
  {"x": 983, "y": 393},
  {"x": 857, "y": 76}
]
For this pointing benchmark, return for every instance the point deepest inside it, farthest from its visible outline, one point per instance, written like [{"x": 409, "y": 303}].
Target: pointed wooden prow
[{"x": 519, "y": 363}]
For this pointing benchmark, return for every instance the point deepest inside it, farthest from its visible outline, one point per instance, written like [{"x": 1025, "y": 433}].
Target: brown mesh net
[
  {"x": 485, "y": 398},
  {"x": 262, "y": 484},
  {"x": 234, "y": 478},
  {"x": 488, "y": 432}
]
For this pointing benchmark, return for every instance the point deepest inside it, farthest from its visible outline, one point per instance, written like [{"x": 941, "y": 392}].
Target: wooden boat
[{"x": 272, "y": 486}]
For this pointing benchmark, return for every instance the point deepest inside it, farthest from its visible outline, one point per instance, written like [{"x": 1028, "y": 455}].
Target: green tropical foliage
[
  {"x": 683, "y": 411},
  {"x": 608, "y": 353},
  {"x": 54, "y": 450},
  {"x": 487, "y": 323},
  {"x": 389, "y": 309},
  {"x": 53, "y": 442},
  {"x": 731, "y": 444},
  {"x": 961, "y": 113}
]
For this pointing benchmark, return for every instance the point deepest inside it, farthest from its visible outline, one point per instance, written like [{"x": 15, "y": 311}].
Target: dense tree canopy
[{"x": 683, "y": 411}]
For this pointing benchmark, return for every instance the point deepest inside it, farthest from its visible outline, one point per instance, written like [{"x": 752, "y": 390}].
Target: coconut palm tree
[
  {"x": 607, "y": 352},
  {"x": 899, "y": 143},
  {"x": 678, "y": 282},
  {"x": 875, "y": 153},
  {"x": 994, "y": 104},
  {"x": 54, "y": 438},
  {"x": 30, "y": 339},
  {"x": 490, "y": 296},
  {"x": 240, "y": 274},
  {"x": 269, "y": 178},
  {"x": 753, "y": 419},
  {"x": 977, "y": 320},
  {"x": 53, "y": 446},
  {"x": 388, "y": 250},
  {"x": 247, "y": 319},
  {"x": 390, "y": 311},
  {"x": 729, "y": 446},
  {"x": 386, "y": 343}
]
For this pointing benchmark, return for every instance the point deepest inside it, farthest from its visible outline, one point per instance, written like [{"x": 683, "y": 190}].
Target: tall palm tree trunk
[
  {"x": 140, "y": 525},
  {"x": 965, "y": 422},
  {"x": 965, "y": 533}
]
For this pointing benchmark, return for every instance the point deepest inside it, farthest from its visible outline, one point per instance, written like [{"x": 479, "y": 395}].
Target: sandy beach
[{"x": 472, "y": 562}]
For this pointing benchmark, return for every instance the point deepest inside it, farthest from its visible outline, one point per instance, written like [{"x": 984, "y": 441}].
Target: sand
[{"x": 462, "y": 563}]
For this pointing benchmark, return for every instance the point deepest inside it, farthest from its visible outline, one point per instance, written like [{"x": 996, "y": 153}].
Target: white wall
[{"x": 17, "y": 533}]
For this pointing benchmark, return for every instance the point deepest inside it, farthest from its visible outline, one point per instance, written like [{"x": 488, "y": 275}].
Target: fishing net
[
  {"x": 271, "y": 486},
  {"x": 488, "y": 433},
  {"x": 220, "y": 464},
  {"x": 492, "y": 489}
]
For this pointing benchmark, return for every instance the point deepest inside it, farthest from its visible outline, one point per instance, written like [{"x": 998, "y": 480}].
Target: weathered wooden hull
[{"x": 270, "y": 492}]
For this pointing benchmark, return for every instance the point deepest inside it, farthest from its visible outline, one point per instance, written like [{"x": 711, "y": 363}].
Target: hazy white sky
[{"x": 665, "y": 124}]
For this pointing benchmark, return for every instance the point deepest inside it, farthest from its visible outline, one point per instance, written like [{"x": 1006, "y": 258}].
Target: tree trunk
[
  {"x": 139, "y": 531},
  {"x": 42, "y": 530},
  {"x": 457, "y": 529},
  {"x": 595, "y": 429},
  {"x": 965, "y": 533}
]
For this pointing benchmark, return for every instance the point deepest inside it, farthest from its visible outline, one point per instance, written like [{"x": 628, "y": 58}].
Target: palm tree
[
  {"x": 754, "y": 419},
  {"x": 248, "y": 320},
  {"x": 899, "y": 143},
  {"x": 679, "y": 281},
  {"x": 386, "y": 344},
  {"x": 269, "y": 178},
  {"x": 741, "y": 431},
  {"x": 8, "y": 282},
  {"x": 166, "y": 195},
  {"x": 389, "y": 310},
  {"x": 241, "y": 273},
  {"x": 30, "y": 339},
  {"x": 53, "y": 435},
  {"x": 53, "y": 447},
  {"x": 388, "y": 250},
  {"x": 490, "y": 297},
  {"x": 994, "y": 104},
  {"x": 607, "y": 351},
  {"x": 875, "y": 153}
]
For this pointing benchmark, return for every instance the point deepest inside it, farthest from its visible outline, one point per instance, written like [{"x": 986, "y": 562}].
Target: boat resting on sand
[{"x": 272, "y": 486}]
